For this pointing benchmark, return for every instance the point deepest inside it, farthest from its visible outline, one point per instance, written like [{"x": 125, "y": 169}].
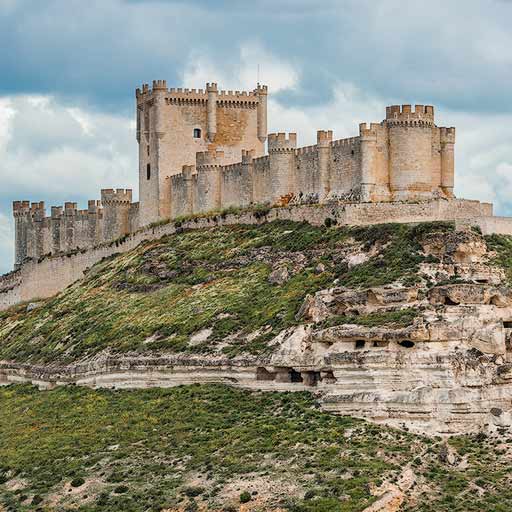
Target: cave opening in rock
[
  {"x": 406, "y": 343},
  {"x": 360, "y": 344},
  {"x": 450, "y": 302},
  {"x": 507, "y": 324},
  {"x": 295, "y": 376}
]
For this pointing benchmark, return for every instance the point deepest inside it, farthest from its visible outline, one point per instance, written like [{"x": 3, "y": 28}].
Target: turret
[
  {"x": 247, "y": 177},
  {"x": 208, "y": 165},
  {"x": 38, "y": 214},
  {"x": 410, "y": 151},
  {"x": 94, "y": 214},
  {"x": 323, "y": 140},
  {"x": 21, "y": 213},
  {"x": 188, "y": 177},
  {"x": 158, "y": 94},
  {"x": 116, "y": 208},
  {"x": 281, "y": 150},
  {"x": 212, "y": 92},
  {"x": 69, "y": 217},
  {"x": 55, "y": 229},
  {"x": 262, "y": 92},
  {"x": 368, "y": 140},
  {"x": 447, "y": 137}
]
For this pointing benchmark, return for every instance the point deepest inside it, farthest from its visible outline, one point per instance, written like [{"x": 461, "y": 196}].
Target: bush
[
  {"x": 121, "y": 489},
  {"x": 245, "y": 497},
  {"x": 192, "y": 492},
  {"x": 77, "y": 482}
]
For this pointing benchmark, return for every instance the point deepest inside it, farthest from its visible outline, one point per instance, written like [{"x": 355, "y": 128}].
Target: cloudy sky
[{"x": 68, "y": 70}]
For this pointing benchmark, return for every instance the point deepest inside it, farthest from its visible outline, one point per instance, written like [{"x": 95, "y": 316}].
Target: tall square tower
[{"x": 174, "y": 124}]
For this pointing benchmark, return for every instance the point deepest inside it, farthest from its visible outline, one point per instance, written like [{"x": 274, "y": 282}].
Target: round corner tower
[{"x": 410, "y": 151}]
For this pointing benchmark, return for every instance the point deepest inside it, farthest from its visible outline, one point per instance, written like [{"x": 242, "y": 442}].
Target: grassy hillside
[
  {"x": 158, "y": 295},
  {"x": 212, "y": 447}
]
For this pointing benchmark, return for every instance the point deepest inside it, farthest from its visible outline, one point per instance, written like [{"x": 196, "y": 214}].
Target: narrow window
[
  {"x": 197, "y": 133},
  {"x": 148, "y": 171},
  {"x": 147, "y": 149}
]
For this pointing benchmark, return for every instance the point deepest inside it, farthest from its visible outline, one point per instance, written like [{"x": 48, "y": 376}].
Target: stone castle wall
[
  {"x": 68, "y": 229},
  {"x": 49, "y": 275},
  {"x": 405, "y": 157}
]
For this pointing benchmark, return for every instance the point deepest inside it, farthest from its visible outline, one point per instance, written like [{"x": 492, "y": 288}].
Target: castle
[{"x": 203, "y": 150}]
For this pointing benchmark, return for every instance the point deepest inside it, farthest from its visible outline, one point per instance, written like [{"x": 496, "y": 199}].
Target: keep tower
[{"x": 175, "y": 124}]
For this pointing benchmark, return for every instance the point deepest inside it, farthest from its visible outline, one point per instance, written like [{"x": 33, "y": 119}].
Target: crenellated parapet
[
  {"x": 422, "y": 115},
  {"x": 117, "y": 196},
  {"x": 116, "y": 212},
  {"x": 281, "y": 142},
  {"x": 447, "y": 135},
  {"x": 211, "y": 158},
  {"x": 178, "y": 95}
]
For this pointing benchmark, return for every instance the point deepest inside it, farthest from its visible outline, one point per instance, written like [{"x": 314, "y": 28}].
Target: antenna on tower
[{"x": 258, "y": 75}]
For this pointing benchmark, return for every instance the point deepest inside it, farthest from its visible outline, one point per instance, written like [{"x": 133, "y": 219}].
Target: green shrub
[
  {"x": 77, "y": 482},
  {"x": 245, "y": 497}
]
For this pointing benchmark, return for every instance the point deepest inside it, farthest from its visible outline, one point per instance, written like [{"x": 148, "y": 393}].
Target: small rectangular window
[
  {"x": 197, "y": 133},
  {"x": 148, "y": 171}
]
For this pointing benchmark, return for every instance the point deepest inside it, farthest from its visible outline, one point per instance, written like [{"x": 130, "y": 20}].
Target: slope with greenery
[
  {"x": 155, "y": 297},
  {"x": 211, "y": 447}
]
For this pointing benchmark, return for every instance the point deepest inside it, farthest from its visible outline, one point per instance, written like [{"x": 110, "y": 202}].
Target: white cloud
[
  {"x": 53, "y": 150},
  {"x": 277, "y": 73}
]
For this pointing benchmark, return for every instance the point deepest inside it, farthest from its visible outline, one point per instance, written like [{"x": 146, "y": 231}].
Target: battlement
[
  {"x": 20, "y": 208},
  {"x": 279, "y": 142},
  {"x": 93, "y": 205},
  {"x": 159, "y": 85},
  {"x": 247, "y": 155},
  {"x": 210, "y": 157},
  {"x": 70, "y": 208},
  {"x": 447, "y": 135},
  {"x": 183, "y": 95},
  {"x": 421, "y": 116},
  {"x": 304, "y": 150},
  {"x": 120, "y": 195},
  {"x": 350, "y": 141},
  {"x": 324, "y": 137},
  {"x": 261, "y": 90},
  {"x": 56, "y": 212}
]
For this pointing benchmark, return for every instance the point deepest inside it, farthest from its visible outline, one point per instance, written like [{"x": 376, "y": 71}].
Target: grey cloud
[{"x": 441, "y": 52}]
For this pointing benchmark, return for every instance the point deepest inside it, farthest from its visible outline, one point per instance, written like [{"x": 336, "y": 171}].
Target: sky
[{"x": 69, "y": 69}]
